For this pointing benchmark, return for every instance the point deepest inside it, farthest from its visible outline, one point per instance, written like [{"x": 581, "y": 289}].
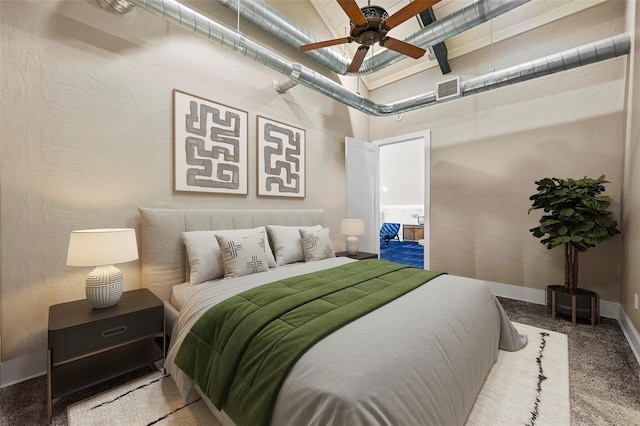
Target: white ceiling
[{"x": 523, "y": 18}]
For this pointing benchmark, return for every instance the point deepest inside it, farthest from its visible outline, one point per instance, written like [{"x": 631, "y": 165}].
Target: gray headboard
[{"x": 163, "y": 254}]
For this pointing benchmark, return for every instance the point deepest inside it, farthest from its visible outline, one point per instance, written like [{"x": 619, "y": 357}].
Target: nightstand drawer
[{"x": 99, "y": 335}]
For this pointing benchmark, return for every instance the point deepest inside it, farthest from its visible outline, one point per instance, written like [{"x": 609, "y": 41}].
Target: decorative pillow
[
  {"x": 243, "y": 255},
  {"x": 205, "y": 262},
  {"x": 316, "y": 245},
  {"x": 205, "y": 259},
  {"x": 287, "y": 244}
]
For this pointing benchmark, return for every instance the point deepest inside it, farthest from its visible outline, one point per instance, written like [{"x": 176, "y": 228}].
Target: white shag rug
[{"x": 527, "y": 387}]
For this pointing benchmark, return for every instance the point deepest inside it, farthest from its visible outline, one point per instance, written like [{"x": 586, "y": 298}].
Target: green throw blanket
[{"x": 241, "y": 350}]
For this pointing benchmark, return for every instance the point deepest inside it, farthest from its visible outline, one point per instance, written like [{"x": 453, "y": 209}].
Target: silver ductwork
[
  {"x": 194, "y": 21},
  {"x": 572, "y": 58},
  {"x": 116, "y": 6},
  {"x": 281, "y": 86},
  {"x": 272, "y": 21},
  {"x": 470, "y": 16},
  {"x": 281, "y": 27}
]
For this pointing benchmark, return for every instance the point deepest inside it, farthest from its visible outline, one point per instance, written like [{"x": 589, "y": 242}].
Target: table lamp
[
  {"x": 103, "y": 248},
  {"x": 351, "y": 228}
]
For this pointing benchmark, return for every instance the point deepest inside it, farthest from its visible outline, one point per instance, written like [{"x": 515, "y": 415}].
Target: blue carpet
[{"x": 405, "y": 252}]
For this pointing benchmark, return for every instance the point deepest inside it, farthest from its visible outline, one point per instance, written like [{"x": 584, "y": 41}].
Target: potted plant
[{"x": 575, "y": 217}]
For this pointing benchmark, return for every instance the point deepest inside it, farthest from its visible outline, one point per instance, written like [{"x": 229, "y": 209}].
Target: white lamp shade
[
  {"x": 94, "y": 247},
  {"x": 352, "y": 227}
]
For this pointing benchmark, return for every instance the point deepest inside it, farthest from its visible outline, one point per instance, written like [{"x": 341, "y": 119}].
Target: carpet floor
[
  {"x": 603, "y": 371},
  {"x": 603, "y": 376}
]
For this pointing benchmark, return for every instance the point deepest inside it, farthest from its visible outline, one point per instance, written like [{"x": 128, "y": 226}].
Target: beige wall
[
  {"x": 85, "y": 131},
  {"x": 631, "y": 206},
  {"x": 488, "y": 149},
  {"x": 86, "y": 138}
]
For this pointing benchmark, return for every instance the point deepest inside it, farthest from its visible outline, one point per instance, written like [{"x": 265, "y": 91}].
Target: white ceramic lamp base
[
  {"x": 352, "y": 245},
  {"x": 104, "y": 286}
]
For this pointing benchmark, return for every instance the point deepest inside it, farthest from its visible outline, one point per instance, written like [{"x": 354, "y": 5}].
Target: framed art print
[
  {"x": 281, "y": 159},
  {"x": 210, "y": 146}
]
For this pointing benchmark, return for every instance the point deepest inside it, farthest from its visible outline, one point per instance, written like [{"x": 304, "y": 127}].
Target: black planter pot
[{"x": 583, "y": 305}]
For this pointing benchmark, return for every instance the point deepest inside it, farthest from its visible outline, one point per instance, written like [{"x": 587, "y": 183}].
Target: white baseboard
[
  {"x": 33, "y": 365},
  {"x": 630, "y": 333},
  {"x": 23, "y": 368},
  {"x": 534, "y": 295}
]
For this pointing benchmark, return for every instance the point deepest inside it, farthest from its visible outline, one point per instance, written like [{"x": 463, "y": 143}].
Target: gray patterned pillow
[
  {"x": 205, "y": 259},
  {"x": 243, "y": 255},
  {"x": 316, "y": 244}
]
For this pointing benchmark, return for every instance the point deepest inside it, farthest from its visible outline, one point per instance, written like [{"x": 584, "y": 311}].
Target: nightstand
[
  {"x": 88, "y": 346},
  {"x": 360, "y": 256}
]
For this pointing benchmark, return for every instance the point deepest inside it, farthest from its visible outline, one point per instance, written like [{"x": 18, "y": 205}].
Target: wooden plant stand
[{"x": 585, "y": 304}]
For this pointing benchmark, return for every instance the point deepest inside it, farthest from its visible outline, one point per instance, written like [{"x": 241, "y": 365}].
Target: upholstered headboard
[{"x": 163, "y": 254}]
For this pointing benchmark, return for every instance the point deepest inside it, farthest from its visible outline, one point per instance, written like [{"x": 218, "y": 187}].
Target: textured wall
[
  {"x": 631, "y": 206},
  {"x": 86, "y": 130},
  {"x": 488, "y": 149}
]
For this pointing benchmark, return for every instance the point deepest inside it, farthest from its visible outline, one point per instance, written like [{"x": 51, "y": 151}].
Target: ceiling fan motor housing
[{"x": 371, "y": 33}]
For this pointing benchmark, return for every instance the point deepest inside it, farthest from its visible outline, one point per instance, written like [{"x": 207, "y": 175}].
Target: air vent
[{"x": 448, "y": 89}]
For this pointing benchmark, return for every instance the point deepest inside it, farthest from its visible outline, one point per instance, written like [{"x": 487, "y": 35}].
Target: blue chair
[{"x": 389, "y": 231}]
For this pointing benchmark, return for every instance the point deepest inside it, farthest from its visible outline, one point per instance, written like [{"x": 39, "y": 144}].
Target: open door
[
  {"x": 362, "y": 172},
  {"x": 362, "y": 176}
]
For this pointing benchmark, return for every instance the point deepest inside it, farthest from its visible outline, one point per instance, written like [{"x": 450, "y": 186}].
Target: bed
[{"x": 419, "y": 358}]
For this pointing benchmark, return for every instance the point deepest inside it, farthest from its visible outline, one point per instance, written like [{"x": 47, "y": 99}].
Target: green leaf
[
  {"x": 584, "y": 226},
  {"x": 566, "y": 212}
]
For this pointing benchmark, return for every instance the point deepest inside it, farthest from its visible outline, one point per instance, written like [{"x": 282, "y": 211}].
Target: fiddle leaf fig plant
[{"x": 575, "y": 217}]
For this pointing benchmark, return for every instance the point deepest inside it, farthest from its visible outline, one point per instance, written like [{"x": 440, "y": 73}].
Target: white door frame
[{"x": 369, "y": 207}]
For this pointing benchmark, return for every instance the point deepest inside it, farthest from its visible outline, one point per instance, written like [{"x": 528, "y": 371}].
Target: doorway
[
  {"x": 363, "y": 169},
  {"x": 402, "y": 200}
]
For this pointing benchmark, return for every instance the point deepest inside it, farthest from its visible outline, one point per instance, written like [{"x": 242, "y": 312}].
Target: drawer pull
[{"x": 114, "y": 331}]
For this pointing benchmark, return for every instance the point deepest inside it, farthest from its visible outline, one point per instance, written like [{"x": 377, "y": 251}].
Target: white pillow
[
  {"x": 287, "y": 244},
  {"x": 243, "y": 255},
  {"x": 316, "y": 245},
  {"x": 205, "y": 259}
]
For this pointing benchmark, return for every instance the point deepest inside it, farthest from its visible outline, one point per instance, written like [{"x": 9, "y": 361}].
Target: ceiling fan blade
[
  {"x": 326, "y": 43},
  {"x": 353, "y": 11},
  {"x": 402, "y": 47},
  {"x": 358, "y": 58},
  {"x": 410, "y": 10}
]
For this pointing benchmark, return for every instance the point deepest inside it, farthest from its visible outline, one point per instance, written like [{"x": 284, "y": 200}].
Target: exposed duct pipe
[
  {"x": 116, "y": 6},
  {"x": 572, "y": 58},
  {"x": 470, "y": 16},
  {"x": 283, "y": 85},
  {"x": 273, "y": 22},
  {"x": 281, "y": 27},
  {"x": 586, "y": 54}
]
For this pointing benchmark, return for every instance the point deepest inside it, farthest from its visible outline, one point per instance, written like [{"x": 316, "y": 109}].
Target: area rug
[
  {"x": 528, "y": 387},
  {"x": 404, "y": 252}
]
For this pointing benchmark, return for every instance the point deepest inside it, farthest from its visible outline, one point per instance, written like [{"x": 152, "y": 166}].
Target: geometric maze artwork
[
  {"x": 210, "y": 146},
  {"x": 281, "y": 159}
]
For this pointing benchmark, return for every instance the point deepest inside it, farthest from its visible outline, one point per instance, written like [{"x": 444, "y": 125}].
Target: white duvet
[{"x": 419, "y": 360}]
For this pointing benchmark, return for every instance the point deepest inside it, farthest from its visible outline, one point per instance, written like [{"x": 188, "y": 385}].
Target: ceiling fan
[{"x": 370, "y": 24}]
